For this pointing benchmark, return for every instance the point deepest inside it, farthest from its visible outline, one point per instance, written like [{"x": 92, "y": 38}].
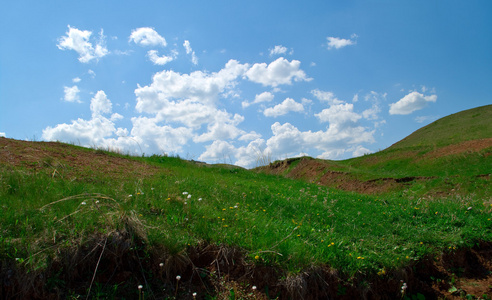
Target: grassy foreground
[{"x": 60, "y": 223}]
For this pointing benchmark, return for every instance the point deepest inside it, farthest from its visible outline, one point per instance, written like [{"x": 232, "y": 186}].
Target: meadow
[{"x": 225, "y": 232}]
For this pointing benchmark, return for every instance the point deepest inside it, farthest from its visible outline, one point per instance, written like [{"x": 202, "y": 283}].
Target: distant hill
[
  {"x": 467, "y": 125},
  {"x": 450, "y": 155}
]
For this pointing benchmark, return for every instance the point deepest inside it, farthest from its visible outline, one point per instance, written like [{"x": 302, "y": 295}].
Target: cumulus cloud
[
  {"x": 250, "y": 136},
  {"x": 278, "y": 72},
  {"x": 324, "y": 96},
  {"x": 288, "y": 140},
  {"x": 253, "y": 154},
  {"x": 71, "y": 94},
  {"x": 188, "y": 49},
  {"x": 280, "y": 50},
  {"x": 147, "y": 36},
  {"x": 147, "y": 134},
  {"x": 87, "y": 132},
  {"x": 337, "y": 43},
  {"x": 157, "y": 138},
  {"x": 100, "y": 104},
  {"x": 219, "y": 151},
  {"x": 2, "y": 134},
  {"x": 79, "y": 41},
  {"x": 259, "y": 98},
  {"x": 342, "y": 136},
  {"x": 339, "y": 114},
  {"x": 223, "y": 126},
  {"x": 359, "y": 151},
  {"x": 284, "y": 108},
  {"x": 196, "y": 87},
  {"x": 76, "y": 80},
  {"x": 410, "y": 103},
  {"x": 191, "y": 100},
  {"x": 160, "y": 60}
]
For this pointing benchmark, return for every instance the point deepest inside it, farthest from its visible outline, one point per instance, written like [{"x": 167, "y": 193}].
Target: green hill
[
  {"x": 472, "y": 124},
  {"x": 451, "y": 155}
]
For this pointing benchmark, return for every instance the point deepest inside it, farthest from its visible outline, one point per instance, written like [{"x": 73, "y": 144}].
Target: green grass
[
  {"x": 276, "y": 221},
  {"x": 421, "y": 156},
  {"x": 463, "y": 126}
]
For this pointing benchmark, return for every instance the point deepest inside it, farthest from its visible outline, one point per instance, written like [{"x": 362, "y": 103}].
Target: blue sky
[{"x": 236, "y": 81}]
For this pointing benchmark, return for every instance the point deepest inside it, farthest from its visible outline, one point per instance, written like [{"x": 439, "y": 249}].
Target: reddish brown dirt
[
  {"x": 464, "y": 147},
  {"x": 215, "y": 270},
  {"x": 316, "y": 171},
  {"x": 64, "y": 160}
]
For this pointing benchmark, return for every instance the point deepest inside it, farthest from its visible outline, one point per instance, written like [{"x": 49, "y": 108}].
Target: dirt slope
[{"x": 67, "y": 160}]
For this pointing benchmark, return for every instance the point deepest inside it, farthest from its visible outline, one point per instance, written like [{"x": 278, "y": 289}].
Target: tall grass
[{"x": 275, "y": 221}]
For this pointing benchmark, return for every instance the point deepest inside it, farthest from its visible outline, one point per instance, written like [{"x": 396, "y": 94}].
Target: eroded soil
[{"x": 65, "y": 160}]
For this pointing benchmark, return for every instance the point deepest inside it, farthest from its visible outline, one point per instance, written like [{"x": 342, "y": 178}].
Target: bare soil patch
[
  {"x": 464, "y": 147},
  {"x": 65, "y": 160},
  {"x": 319, "y": 172}
]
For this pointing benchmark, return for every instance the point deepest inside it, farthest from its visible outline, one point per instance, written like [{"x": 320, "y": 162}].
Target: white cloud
[
  {"x": 375, "y": 98},
  {"x": 100, "y": 104},
  {"x": 250, "y": 136},
  {"x": 359, "y": 151},
  {"x": 160, "y": 60},
  {"x": 251, "y": 155},
  {"x": 196, "y": 88},
  {"x": 92, "y": 73},
  {"x": 76, "y": 80},
  {"x": 410, "y": 103},
  {"x": 372, "y": 113},
  {"x": 343, "y": 135},
  {"x": 326, "y": 96},
  {"x": 147, "y": 36},
  {"x": 287, "y": 140},
  {"x": 191, "y": 100},
  {"x": 278, "y": 72},
  {"x": 423, "y": 119},
  {"x": 219, "y": 151},
  {"x": 78, "y": 40},
  {"x": 188, "y": 49},
  {"x": 71, "y": 94},
  {"x": 279, "y": 50},
  {"x": 2, "y": 134},
  {"x": 259, "y": 98},
  {"x": 337, "y": 43},
  {"x": 156, "y": 138},
  {"x": 339, "y": 114},
  {"x": 87, "y": 132},
  {"x": 284, "y": 108},
  {"x": 146, "y": 136},
  {"x": 222, "y": 127}
]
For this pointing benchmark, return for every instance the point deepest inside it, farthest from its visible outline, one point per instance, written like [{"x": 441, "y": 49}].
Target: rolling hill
[{"x": 451, "y": 155}]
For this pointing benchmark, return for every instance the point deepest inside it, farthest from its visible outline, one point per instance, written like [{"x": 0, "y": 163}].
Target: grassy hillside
[
  {"x": 83, "y": 223},
  {"x": 472, "y": 124},
  {"x": 451, "y": 155}
]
